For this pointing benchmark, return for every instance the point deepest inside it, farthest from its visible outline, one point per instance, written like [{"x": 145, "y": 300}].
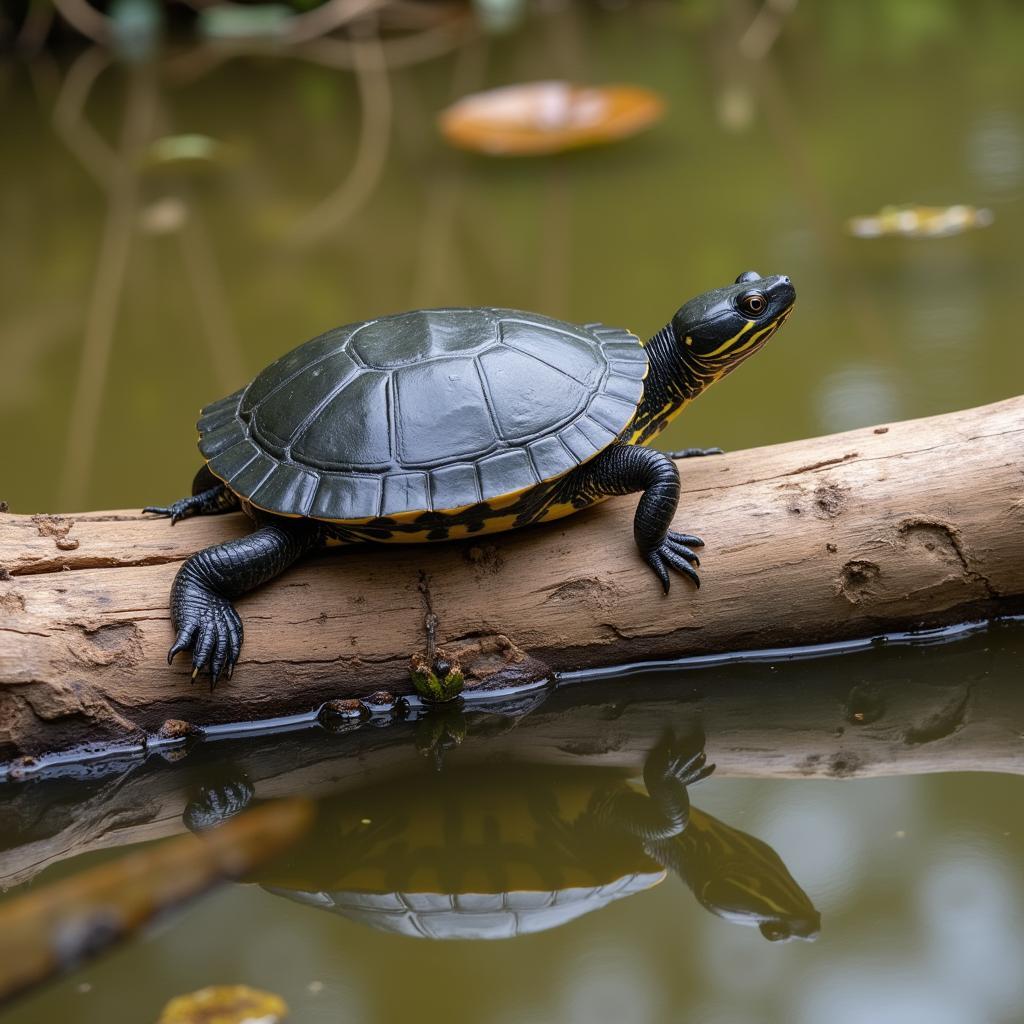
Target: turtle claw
[
  {"x": 675, "y": 552},
  {"x": 688, "y": 767},
  {"x": 211, "y": 628},
  {"x": 178, "y": 510},
  {"x": 212, "y": 500}
]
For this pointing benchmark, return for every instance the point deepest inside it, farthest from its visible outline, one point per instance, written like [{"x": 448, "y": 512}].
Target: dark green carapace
[
  {"x": 448, "y": 423},
  {"x": 426, "y": 411}
]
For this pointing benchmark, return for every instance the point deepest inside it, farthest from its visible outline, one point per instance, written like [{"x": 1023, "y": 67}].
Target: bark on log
[{"x": 888, "y": 528}]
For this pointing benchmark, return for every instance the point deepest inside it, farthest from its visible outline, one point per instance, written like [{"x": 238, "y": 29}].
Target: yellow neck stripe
[{"x": 726, "y": 345}]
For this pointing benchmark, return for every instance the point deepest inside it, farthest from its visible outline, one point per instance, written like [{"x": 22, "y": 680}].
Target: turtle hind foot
[
  {"x": 209, "y": 626},
  {"x": 675, "y": 552},
  {"x": 206, "y": 503},
  {"x": 179, "y": 509}
]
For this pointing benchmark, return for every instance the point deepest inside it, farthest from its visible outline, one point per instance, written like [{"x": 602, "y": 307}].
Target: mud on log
[{"x": 895, "y": 527}]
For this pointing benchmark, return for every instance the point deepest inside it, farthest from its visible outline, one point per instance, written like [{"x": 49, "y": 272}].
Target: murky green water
[{"x": 115, "y": 328}]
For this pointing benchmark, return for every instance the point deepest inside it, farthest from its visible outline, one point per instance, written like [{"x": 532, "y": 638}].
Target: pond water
[{"x": 133, "y": 291}]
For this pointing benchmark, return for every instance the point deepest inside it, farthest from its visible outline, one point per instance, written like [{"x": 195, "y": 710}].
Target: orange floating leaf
[{"x": 548, "y": 117}]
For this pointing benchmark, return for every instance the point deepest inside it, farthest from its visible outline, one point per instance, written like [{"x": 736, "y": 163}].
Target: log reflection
[{"x": 881, "y": 712}]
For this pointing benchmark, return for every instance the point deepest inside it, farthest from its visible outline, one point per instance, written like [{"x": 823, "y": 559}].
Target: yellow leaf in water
[
  {"x": 919, "y": 221},
  {"x": 225, "y": 1004}
]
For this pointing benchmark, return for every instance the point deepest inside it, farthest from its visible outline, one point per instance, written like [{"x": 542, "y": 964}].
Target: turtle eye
[{"x": 753, "y": 304}]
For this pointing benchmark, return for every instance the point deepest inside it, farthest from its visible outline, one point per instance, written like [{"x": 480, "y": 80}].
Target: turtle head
[{"x": 716, "y": 331}]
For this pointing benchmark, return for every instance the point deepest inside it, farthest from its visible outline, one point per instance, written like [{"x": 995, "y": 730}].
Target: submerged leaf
[
  {"x": 187, "y": 150},
  {"x": 225, "y": 1004},
  {"x": 548, "y": 117}
]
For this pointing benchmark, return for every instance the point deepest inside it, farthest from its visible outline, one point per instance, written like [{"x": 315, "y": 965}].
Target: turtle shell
[
  {"x": 432, "y": 410},
  {"x": 484, "y": 853},
  {"x": 474, "y": 915}
]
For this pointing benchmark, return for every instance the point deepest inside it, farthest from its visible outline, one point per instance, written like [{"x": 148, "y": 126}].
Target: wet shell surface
[{"x": 431, "y": 410}]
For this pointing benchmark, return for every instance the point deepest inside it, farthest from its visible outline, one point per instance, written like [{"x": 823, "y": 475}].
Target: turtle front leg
[
  {"x": 671, "y": 767},
  {"x": 627, "y": 468},
  {"x": 209, "y": 497},
  {"x": 201, "y": 610}
]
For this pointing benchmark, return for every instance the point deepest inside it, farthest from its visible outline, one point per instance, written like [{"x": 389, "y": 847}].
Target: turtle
[
  {"x": 438, "y": 424},
  {"x": 501, "y": 850}
]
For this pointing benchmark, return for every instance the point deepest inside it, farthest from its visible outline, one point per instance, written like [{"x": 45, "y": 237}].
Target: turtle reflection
[{"x": 500, "y": 851}]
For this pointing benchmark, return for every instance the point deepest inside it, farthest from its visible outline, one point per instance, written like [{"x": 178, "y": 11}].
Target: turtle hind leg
[
  {"x": 209, "y": 497},
  {"x": 202, "y": 614}
]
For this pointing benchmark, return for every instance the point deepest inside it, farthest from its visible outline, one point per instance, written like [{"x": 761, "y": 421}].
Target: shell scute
[
  {"x": 551, "y": 457},
  {"x": 299, "y": 361},
  {"x": 219, "y": 438},
  {"x": 442, "y": 413},
  {"x": 504, "y": 472},
  {"x": 411, "y": 338},
  {"x": 595, "y": 432},
  {"x": 281, "y": 416},
  {"x": 250, "y": 478},
  {"x": 454, "y": 486},
  {"x": 351, "y": 430},
  {"x": 576, "y": 441},
  {"x": 229, "y": 462},
  {"x": 609, "y": 412},
  {"x": 529, "y": 397},
  {"x": 220, "y": 412},
  {"x": 558, "y": 349},
  {"x": 347, "y": 496},
  {"x": 287, "y": 487},
  {"x": 404, "y": 491}
]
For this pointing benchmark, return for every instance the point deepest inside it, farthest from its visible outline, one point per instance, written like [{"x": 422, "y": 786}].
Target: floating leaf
[
  {"x": 225, "y": 1004},
  {"x": 548, "y": 117},
  {"x": 192, "y": 150},
  {"x": 919, "y": 221}
]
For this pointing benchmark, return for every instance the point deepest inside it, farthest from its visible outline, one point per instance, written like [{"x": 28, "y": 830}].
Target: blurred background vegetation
[{"x": 190, "y": 189}]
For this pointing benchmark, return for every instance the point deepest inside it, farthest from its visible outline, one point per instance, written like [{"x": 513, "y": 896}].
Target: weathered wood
[{"x": 896, "y": 527}]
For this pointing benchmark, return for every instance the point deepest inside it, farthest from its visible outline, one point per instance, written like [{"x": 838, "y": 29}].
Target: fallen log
[{"x": 894, "y": 527}]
